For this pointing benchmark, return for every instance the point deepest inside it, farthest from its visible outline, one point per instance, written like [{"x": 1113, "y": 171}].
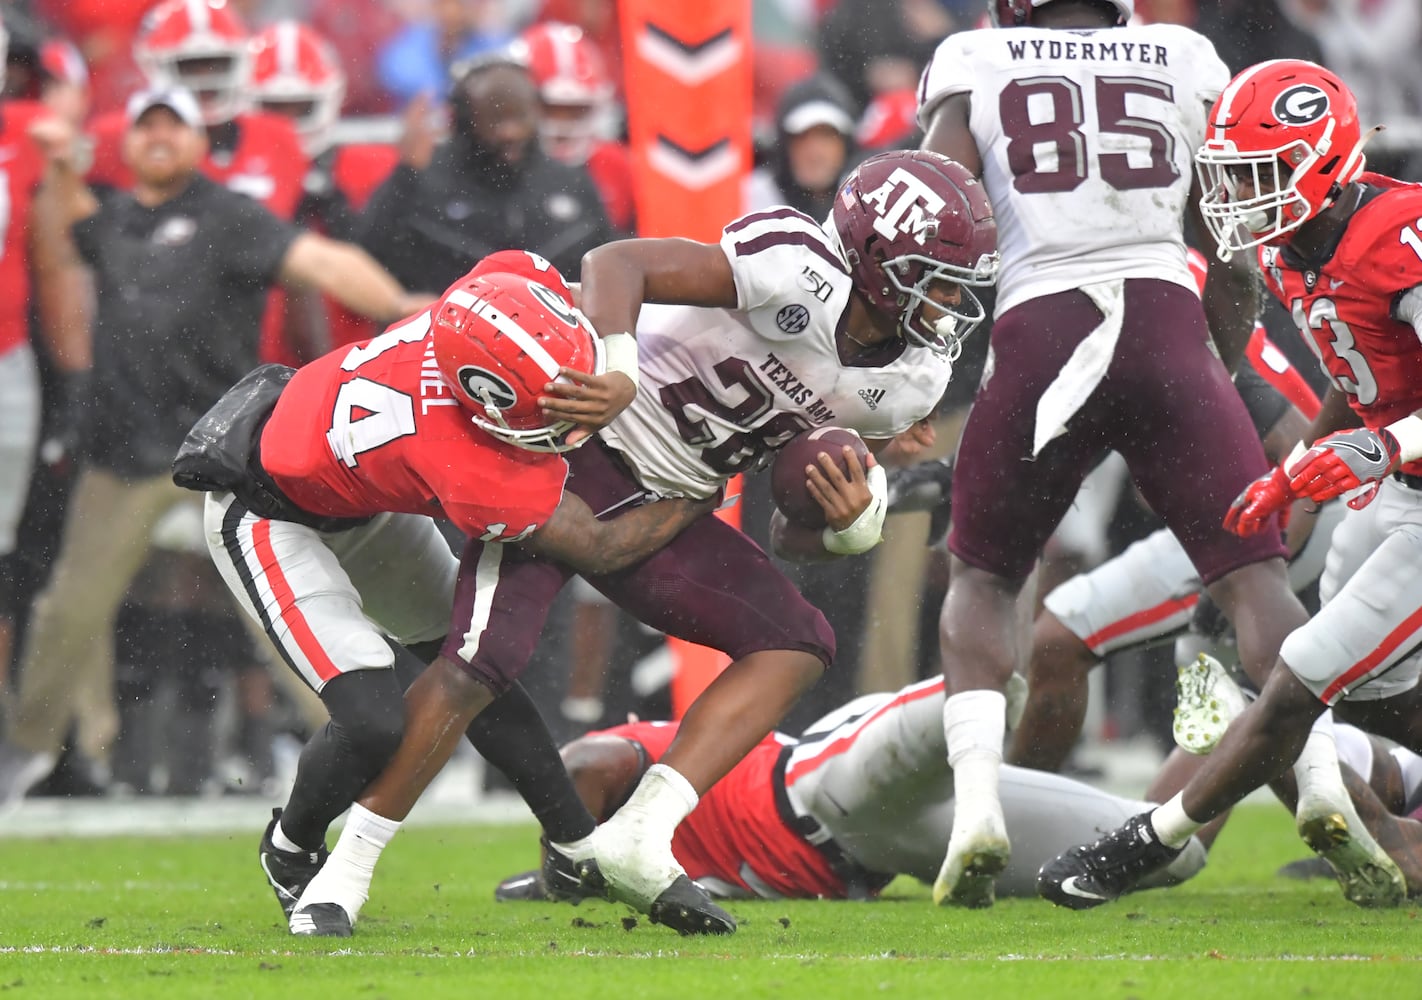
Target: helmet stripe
[
  {"x": 1231, "y": 92},
  {"x": 286, "y": 51},
  {"x": 200, "y": 16},
  {"x": 506, "y": 325}
]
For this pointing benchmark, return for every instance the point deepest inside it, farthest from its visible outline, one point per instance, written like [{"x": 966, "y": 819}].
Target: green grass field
[{"x": 130, "y": 918}]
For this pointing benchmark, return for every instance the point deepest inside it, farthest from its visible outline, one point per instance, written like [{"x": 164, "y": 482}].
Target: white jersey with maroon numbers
[
  {"x": 721, "y": 389},
  {"x": 1086, "y": 139}
]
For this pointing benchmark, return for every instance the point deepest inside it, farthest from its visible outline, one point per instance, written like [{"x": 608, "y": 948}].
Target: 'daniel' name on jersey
[{"x": 1043, "y": 48}]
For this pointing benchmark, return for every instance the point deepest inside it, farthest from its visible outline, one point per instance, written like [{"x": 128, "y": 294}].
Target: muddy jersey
[
  {"x": 1087, "y": 140},
  {"x": 1344, "y": 307},
  {"x": 373, "y": 428},
  {"x": 736, "y": 836},
  {"x": 721, "y": 389}
]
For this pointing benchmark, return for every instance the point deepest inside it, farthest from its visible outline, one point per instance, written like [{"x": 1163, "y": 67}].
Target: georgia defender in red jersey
[
  {"x": 327, "y": 541},
  {"x": 1282, "y": 169},
  {"x": 865, "y": 795}
]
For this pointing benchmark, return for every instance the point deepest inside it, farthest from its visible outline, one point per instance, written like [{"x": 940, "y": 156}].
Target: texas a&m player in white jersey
[
  {"x": 1082, "y": 129},
  {"x": 786, "y": 325}
]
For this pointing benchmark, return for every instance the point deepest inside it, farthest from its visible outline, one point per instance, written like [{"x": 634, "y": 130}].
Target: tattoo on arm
[{"x": 574, "y": 537}]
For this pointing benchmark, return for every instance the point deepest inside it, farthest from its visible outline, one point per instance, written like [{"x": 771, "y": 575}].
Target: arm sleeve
[
  {"x": 1407, "y": 308},
  {"x": 257, "y": 240}
]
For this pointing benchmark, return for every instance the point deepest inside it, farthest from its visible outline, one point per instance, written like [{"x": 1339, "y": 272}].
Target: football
[{"x": 787, "y": 475}]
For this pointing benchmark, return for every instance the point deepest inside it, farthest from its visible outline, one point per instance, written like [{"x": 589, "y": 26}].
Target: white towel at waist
[{"x": 1085, "y": 368}]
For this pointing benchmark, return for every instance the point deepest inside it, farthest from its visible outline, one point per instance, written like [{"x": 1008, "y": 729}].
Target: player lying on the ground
[
  {"x": 1283, "y": 171},
  {"x": 865, "y": 795}
]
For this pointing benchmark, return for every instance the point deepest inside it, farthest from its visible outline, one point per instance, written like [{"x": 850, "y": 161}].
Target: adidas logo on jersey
[{"x": 872, "y": 397}]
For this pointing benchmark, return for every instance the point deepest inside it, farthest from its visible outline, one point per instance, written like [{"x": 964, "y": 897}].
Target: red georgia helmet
[
  {"x": 907, "y": 218},
  {"x": 525, "y": 264},
  {"x": 201, "y": 45},
  {"x": 1288, "y": 127},
  {"x": 498, "y": 340},
  {"x": 1017, "y": 13},
  {"x": 574, "y": 85},
  {"x": 296, "y": 73}
]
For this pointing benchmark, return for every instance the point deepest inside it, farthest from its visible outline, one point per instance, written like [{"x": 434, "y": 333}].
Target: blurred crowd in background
[{"x": 376, "y": 122}]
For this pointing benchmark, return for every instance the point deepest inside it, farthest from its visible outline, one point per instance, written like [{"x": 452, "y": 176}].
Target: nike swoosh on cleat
[{"x": 1069, "y": 886}]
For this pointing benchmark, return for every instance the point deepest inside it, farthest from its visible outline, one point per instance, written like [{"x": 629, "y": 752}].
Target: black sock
[
  {"x": 367, "y": 720},
  {"x": 511, "y": 735}
]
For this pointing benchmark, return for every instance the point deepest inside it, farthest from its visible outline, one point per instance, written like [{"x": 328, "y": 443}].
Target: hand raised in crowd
[
  {"x": 420, "y": 134},
  {"x": 590, "y": 401},
  {"x": 56, "y": 137}
]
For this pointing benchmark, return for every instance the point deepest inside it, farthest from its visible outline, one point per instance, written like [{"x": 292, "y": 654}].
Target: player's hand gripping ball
[{"x": 787, "y": 475}]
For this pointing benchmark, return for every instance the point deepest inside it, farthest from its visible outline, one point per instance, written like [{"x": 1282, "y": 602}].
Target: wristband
[
  {"x": 865, "y": 532},
  {"x": 620, "y": 350},
  {"x": 1408, "y": 433}
]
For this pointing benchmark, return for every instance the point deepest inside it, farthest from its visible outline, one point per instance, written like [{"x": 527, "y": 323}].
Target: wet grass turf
[{"x": 130, "y": 917}]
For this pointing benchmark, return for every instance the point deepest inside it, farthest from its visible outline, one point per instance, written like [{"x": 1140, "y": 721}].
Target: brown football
[{"x": 787, "y": 475}]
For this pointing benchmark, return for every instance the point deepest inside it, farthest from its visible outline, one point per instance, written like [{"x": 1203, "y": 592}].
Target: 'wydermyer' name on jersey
[
  {"x": 800, "y": 394},
  {"x": 1043, "y": 48}
]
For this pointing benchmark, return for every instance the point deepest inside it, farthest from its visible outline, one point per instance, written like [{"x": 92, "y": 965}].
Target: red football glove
[
  {"x": 1345, "y": 461},
  {"x": 1261, "y": 500}
]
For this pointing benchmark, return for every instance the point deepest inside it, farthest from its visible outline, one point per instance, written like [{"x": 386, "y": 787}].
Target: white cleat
[
  {"x": 976, "y": 856},
  {"x": 1335, "y": 833},
  {"x": 1207, "y": 701}
]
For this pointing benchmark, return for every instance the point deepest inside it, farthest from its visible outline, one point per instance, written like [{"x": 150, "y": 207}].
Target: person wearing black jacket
[{"x": 488, "y": 187}]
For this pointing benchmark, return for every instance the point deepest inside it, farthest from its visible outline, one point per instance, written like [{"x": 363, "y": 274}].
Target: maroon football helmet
[
  {"x": 1016, "y": 13},
  {"x": 906, "y": 219}
]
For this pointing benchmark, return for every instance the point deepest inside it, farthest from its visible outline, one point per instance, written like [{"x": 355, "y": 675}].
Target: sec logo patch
[{"x": 792, "y": 318}]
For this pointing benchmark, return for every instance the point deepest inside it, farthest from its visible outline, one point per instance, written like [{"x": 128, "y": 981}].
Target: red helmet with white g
[
  {"x": 498, "y": 340},
  {"x": 296, "y": 73},
  {"x": 201, "y": 45},
  {"x": 574, "y": 86},
  {"x": 1281, "y": 143},
  {"x": 1017, "y": 13},
  {"x": 906, "y": 219}
]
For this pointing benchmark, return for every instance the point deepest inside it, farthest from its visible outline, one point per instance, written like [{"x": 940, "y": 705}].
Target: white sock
[
  {"x": 974, "y": 726},
  {"x": 1172, "y": 824},
  {"x": 284, "y": 843},
  {"x": 345, "y": 878},
  {"x": 662, "y": 800},
  {"x": 1316, "y": 770}
]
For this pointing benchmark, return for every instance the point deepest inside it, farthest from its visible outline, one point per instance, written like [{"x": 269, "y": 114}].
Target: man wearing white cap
[{"x": 181, "y": 270}]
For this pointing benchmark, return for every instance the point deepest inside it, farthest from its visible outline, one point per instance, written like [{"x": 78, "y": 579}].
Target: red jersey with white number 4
[
  {"x": 21, "y": 166},
  {"x": 735, "y": 834},
  {"x": 373, "y": 428},
  {"x": 1345, "y": 309}
]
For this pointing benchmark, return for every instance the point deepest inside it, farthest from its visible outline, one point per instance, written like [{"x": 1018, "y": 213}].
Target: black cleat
[
  {"x": 526, "y": 887},
  {"x": 687, "y": 908},
  {"x": 560, "y": 877},
  {"x": 925, "y": 486},
  {"x": 289, "y": 872},
  {"x": 321, "y": 920},
  {"x": 1101, "y": 871}
]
